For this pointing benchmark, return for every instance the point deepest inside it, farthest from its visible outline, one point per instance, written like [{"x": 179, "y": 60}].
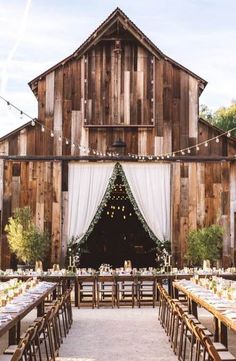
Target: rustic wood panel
[
  {"x": 56, "y": 214},
  {"x": 115, "y": 84},
  {"x": 232, "y": 204}
]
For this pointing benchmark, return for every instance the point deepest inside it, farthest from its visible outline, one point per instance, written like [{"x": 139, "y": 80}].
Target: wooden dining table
[
  {"x": 13, "y": 325},
  {"x": 222, "y": 322},
  {"x": 68, "y": 280}
]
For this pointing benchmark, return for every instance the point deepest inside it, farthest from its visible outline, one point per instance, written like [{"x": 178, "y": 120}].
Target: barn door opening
[
  {"x": 117, "y": 229},
  {"x": 118, "y": 235}
]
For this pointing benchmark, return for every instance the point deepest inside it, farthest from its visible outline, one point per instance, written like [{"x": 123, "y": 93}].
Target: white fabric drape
[
  {"x": 150, "y": 186},
  {"x": 87, "y": 186}
]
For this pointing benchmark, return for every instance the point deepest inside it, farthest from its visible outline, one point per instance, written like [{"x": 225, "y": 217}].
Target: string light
[{"x": 183, "y": 151}]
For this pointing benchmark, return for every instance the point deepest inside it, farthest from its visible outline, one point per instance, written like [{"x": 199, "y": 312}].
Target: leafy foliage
[
  {"x": 204, "y": 243},
  {"x": 29, "y": 243},
  {"x": 224, "y": 117}
]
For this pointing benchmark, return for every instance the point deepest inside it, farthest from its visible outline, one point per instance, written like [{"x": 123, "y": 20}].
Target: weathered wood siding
[
  {"x": 108, "y": 94},
  {"x": 37, "y": 185},
  {"x": 118, "y": 88},
  {"x": 201, "y": 196}
]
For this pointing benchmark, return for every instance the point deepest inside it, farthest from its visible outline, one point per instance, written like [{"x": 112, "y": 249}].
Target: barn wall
[
  {"x": 111, "y": 91},
  {"x": 202, "y": 195},
  {"x": 104, "y": 95},
  {"x": 37, "y": 185}
]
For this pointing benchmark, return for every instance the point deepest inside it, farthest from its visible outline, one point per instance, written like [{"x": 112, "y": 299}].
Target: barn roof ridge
[{"x": 117, "y": 14}]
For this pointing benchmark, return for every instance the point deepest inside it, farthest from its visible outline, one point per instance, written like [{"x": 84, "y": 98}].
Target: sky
[{"x": 36, "y": 34}]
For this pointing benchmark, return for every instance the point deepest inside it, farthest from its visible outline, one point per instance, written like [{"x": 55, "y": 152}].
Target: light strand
[{"x": 97, "y": 153}]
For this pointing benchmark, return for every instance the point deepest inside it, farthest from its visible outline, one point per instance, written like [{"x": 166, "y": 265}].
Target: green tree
[
  {"x": 223, "y": 118},
  {"x": 29, "y": 243},
  {"x": 205, "y": 113},
  {"x": 204, "y": 243}
]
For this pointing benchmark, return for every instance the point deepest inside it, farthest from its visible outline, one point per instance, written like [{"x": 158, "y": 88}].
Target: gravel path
[{"x": 116, "y": 335}]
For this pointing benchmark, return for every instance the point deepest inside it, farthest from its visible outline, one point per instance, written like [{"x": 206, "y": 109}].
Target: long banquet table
[
  {"x": 224, "y": 311},
  {"x": 13, "y": 324},
  {"x": 68, "y": 280}
]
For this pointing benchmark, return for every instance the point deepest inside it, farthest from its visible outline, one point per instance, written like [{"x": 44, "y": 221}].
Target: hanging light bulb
[
  {"x": 21, "y": 114},
  {"x": 42, "y": 129},
  {"x": 228, "y": 134},
  {"x": 189, "y": 151},
  {"x": 217, "y": 140},
  {"x": 59, "y": 138},
  {"x": 9, "y": 105},
  {"x": 52, "y": 134},
  {"x": 73, "y": 145},
  {"x": 182, "y": 152},
  {"x": 33, "y": 122},
  {"x": 67, "y": 141},
  {"x": 197, "y": 148},
  {"x": 206, "y": 144},
  {"x": 173, "y": 155}
]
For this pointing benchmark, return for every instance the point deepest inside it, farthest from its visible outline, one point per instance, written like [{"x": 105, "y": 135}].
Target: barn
[{"x": 118, "y": 156}]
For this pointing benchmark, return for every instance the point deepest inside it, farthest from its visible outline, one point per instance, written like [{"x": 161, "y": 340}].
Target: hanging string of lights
[
  {"x": 60, "y": 138},
  {"x": 96, "y": 152}
]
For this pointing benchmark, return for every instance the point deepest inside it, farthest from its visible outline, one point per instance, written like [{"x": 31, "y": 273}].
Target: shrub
[
  {"x": 204, "y": 243},
  {"x": 29, "y": 243}
]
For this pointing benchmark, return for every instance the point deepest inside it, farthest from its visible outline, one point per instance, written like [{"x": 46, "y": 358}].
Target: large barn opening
[{"x": 119, "y": 235}]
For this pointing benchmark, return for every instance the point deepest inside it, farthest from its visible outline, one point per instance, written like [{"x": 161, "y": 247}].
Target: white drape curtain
[
  {"x": 87, "y": 186},
  {"x": 150, "y": 186}
]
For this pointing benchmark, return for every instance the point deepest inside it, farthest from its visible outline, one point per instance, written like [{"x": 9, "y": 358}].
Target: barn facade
[{"x": 119, "y": 87}]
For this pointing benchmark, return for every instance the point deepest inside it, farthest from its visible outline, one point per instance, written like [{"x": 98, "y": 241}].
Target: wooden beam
[{"x": 118, "y": 158}]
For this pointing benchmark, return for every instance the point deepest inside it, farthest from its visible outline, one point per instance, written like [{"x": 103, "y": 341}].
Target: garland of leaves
[
  {"x": 135, "y": 206},
  {"x": 105, "y": 199},
  {"x": 117, "y": 171}
]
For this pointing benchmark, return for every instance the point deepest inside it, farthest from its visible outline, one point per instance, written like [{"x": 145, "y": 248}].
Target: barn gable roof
[{"x": 116, "y": 16}]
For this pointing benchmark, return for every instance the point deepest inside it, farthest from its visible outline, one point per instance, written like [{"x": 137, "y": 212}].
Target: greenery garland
[
  {"x": 135, "y": 206},
  {"x": 117, "y": 171},
  {"x": 105, "y": 199}
]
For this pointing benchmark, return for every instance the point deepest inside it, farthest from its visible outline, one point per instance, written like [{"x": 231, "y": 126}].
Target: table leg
[
  {"x": 76, "y": 291},
  {"x": 223, "y": 334},
  {"x": 18, "y": 331},
  {"x": 194, "y": 309},
  {"x": 12, "y": 336},
  {"x": 216, "y": 334},
  {"x": 170, "y": 291},
  {"x": 40, "y": 309},
  {"x": 176, "y": 292}
]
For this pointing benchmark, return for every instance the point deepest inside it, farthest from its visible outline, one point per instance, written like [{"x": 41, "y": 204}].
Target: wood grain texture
[{"x": 119, "y": 83}]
